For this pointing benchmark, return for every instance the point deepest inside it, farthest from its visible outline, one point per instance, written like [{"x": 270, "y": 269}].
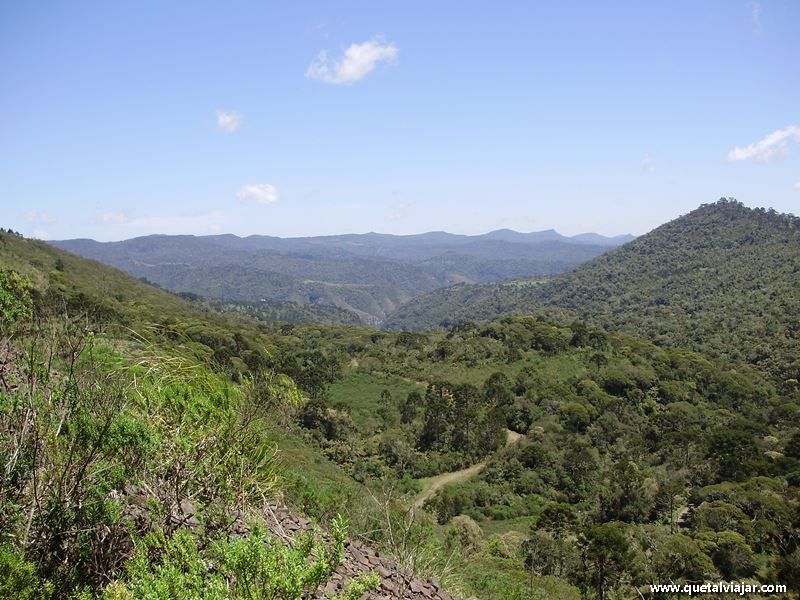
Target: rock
[
  {"x": 356, "y": 554},
  {"x": 389, "y": 587},
  {"x": 188, "y": 507},
  {"x": 330, "y": 587},
  {"x": 139, "y": 500}
]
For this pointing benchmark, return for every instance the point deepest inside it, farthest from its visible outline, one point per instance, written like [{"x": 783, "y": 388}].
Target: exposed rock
[{"x": 395, "y": 581}]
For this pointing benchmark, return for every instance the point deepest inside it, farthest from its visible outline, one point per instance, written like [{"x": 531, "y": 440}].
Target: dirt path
[{"x": 434, "y": 484}]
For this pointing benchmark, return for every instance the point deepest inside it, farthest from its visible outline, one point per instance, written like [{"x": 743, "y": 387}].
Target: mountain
[
  {"x": 723, "y": 279},
  {"x": 509, "y": 235},
  {"x": 594, "y": 238},
  {"x": 369, "y": 275},
  {"x": 151, "y": 444},
  {"x": 146, "y": 438}
]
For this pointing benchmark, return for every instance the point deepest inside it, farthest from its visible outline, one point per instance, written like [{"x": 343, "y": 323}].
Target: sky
[{"x": 120, "y": 119}]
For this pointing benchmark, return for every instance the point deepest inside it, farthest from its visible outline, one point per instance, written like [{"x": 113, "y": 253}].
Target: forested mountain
[
  {"x": 723, "y": 279},
  {"x": 370, "y": 274},
  {"x": 148, "y": 444}
]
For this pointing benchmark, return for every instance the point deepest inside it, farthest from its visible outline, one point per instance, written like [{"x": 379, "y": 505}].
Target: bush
[
  {"x": 18, "y": 578},
  {"x": 258, "y": 566}
]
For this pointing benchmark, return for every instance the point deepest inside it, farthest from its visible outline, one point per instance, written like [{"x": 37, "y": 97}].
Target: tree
[
  {"x": 721, "y": 516},
  {"x": 468, "y": 533},
  {"x": 546, "y": 554},
  {"x": 789, "y": 570},
  {"x": 734, "y": 453},
  {"x": 733, "y": 556},
  {"x": 680, "y": 557},
  {"x": 669, "y": 487},
  {"x": 792, "y": 448},
  {"x": 386, "y": 410},
  {"x": 558, "y": 518},
  {"x": 408, "y": 410},
  {"x": 580, "y": 334},
  {"x": 438, "y": 414},
  {"x": 625, "y": 499},
  {"x": 15, "y": 300},
  {"x": 607, "y": 556},
  {"x": 465, "y": 415},
  {"x": 497, "y": 390}
]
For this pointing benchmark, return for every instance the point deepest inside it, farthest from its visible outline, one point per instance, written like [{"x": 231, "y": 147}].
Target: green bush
[
  {"x": 258, "y": 566},
  {"x": 18, "y": 577}
]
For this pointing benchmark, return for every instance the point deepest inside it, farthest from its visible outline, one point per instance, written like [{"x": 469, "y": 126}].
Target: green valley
[{"x": 529, "y": 453}]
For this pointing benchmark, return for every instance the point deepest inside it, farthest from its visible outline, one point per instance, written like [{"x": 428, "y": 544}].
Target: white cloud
[
  {"x": 755, "y": 15},
  {"x": 647, "y": 164},
  {"x": 228, "y": 122},
  {"x": 34, "y": 216},
  {"x": 260, "y": 193},
  {"x": 398, "y": 211},
  {"x": 210, "y": 222},
  {"x": 114, "y": 218},
  {"x": 797, "y": 185},
  {"x": 189, "y": 224},
  {"x": 40, "y": 234},
  {"x": 775, "y": 144},
  {"x": 357, "y": 62}
]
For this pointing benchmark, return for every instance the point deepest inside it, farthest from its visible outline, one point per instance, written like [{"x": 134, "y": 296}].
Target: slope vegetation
[
  {"x": 145, "y": 450},
  {"x": 722, "y": 279}
]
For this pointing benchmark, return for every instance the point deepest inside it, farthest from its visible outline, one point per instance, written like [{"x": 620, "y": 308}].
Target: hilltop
[
  {"x": 722, "y": 279},
  {"x": 368, "y": 275}
]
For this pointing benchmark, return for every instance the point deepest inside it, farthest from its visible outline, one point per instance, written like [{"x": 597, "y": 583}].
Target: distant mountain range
[
  {"x": 723, "y": 279},
  {"x": 369, "y": 274}
]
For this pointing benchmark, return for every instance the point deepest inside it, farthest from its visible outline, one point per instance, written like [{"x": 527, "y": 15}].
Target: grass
[
  {"x": 316, "y": 485},
  {"x": 361, "y": 393}
]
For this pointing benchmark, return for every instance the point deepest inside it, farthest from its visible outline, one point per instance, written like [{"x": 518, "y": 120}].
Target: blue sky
[{"x": 120, "y": 119}]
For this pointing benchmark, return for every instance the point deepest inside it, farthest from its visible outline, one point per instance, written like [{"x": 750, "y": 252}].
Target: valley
[
  {"x": 562, "y": 437},
  {"x": 400, "y": 300},
  {"x": 368, "y": 275}
]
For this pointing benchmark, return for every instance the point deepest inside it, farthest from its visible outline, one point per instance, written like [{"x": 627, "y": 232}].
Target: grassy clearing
[{"x": 361, "y": 393}]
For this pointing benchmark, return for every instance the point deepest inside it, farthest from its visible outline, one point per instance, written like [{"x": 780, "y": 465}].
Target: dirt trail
[{"x": 434, "y": 484}]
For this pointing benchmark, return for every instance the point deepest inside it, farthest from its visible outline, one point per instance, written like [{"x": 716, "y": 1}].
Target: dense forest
[
  {"x": 722, "y": 280},
  {"x": 668, "y": 464},
  {"x": 148, "y": 438}
]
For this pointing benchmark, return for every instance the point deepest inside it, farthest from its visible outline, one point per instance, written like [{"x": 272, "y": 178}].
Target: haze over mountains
[{"x": 369, "y": 274}]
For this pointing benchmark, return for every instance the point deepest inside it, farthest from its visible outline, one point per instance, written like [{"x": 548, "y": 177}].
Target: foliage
[
  {"x": 598, "y": 462},
  {"x": 671, "y": 445},
  {"x": 96, "y": 418},
  {"x": 255, "y": 567},
  {"x": 721, "y": 280},
  {"x": 15, "y": 299},
  {"x": 18, "y": 577}
]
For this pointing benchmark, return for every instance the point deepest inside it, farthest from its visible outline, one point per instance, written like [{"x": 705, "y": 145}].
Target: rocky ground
[{"x": 395, "y": 581}]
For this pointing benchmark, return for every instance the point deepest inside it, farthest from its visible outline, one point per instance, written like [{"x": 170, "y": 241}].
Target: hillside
[
  {"x": 150, "y": 446},
  {"x": 722, "y": 279},
  {"x": 144, "y": 437},
  {"x": 683, "y": 466},
  {"x": 369, "y": 275}
]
